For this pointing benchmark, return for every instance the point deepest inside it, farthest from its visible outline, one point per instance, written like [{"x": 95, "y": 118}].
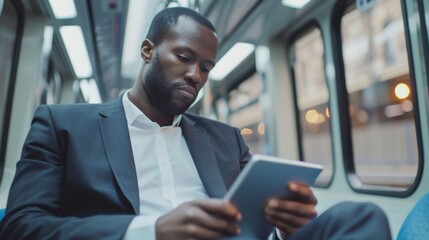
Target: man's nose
[{"x": 193, "y": 74}]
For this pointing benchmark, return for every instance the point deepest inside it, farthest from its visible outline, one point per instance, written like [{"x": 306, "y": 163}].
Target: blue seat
[
  {"x": 2, "y": 213},
  {"x": 415, "y": 226}
]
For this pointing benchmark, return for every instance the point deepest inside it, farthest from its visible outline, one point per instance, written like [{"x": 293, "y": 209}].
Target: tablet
[{"x": 264, "y": 177}]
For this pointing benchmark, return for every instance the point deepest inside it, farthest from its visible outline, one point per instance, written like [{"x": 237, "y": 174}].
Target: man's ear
[{"x": 147, "y": 50}]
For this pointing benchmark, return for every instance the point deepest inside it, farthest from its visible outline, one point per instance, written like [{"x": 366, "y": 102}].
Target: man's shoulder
[
  {"x": 77, "y": 107},
  {"x": 72, "y": 108},
  {"x": 78, "y": 110}
]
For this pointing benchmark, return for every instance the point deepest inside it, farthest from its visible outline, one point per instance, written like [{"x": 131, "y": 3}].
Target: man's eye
[
  {"x": 205, "y": 69},
  {"x": 183, "y": 58}
]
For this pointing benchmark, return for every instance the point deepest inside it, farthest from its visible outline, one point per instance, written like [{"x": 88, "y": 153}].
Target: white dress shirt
[{"x": 166, "y": 173}]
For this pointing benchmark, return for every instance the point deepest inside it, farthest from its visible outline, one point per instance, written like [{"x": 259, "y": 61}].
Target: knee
[
  {"x": 364, "y": 210},
  {"x": 354, "y": 220},
  {"x": 365, "y": 207}
]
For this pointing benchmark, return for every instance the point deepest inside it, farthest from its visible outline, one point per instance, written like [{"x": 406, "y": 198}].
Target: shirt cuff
[
  {"x": 141, "y": 226},
  {"x": 279, "y": 235}
]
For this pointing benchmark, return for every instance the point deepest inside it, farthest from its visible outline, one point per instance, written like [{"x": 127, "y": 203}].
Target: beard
[{"x": 159, "y": 92}]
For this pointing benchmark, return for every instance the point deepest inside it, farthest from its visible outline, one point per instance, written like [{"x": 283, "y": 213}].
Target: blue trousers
[{"x": 347, "y": 221}]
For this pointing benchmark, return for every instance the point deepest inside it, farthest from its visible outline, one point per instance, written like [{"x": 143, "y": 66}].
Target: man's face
[{"x": 179, "y": 66}]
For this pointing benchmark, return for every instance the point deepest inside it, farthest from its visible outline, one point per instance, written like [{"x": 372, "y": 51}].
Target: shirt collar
[{"x": 135, "y": 117}]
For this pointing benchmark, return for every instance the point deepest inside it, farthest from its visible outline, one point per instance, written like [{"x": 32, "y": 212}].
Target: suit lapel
[
  {"x": 204, "y": 157},
  {"x": 116, "y": 139}
]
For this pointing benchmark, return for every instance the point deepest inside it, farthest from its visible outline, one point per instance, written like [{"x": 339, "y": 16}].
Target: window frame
[
  {"x": 340, "y": 9},
  {"x": 20, "y": 19},
  {"x": 310, "y": 25}
]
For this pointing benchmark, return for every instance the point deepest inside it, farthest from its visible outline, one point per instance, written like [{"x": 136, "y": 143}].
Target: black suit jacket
[{"x": 76, "y": 178}]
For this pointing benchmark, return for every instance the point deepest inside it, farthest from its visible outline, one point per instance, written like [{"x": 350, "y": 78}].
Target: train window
[
  {"x": 8, "y": 29},
  {"x": 381, "y": 106},
  {"x": 246, "y": 113},
  {"x": 313, "y": 102},
  {"x": 222, "y": 110}
]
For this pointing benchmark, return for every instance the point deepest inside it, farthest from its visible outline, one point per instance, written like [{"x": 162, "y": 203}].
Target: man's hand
[
  {"x": 289, "y": 215},
  {"x": 199, "y": 219}
]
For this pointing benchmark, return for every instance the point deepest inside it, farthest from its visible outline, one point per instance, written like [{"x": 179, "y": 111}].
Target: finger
[
  {"x": 219, "y": 208},
  {"x": 291, "y": 207},
  {"x": 287, "y": 223},
  {"x": 198, "y": 216},
  {"x": 279, "y": 218},
  {"x": 282, "y": 226},
  {"x": 195, "y": 231},
  {"x": 302, "y": 192}
]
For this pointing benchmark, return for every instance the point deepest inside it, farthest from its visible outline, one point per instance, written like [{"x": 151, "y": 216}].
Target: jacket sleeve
[{"x": 35, "y": 208}]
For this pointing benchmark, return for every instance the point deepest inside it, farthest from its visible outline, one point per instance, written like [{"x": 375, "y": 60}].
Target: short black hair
[{"x": 167, "y": 19}]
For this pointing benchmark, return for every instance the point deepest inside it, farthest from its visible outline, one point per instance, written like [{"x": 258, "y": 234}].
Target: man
[{"x": 141, "y": 168}]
